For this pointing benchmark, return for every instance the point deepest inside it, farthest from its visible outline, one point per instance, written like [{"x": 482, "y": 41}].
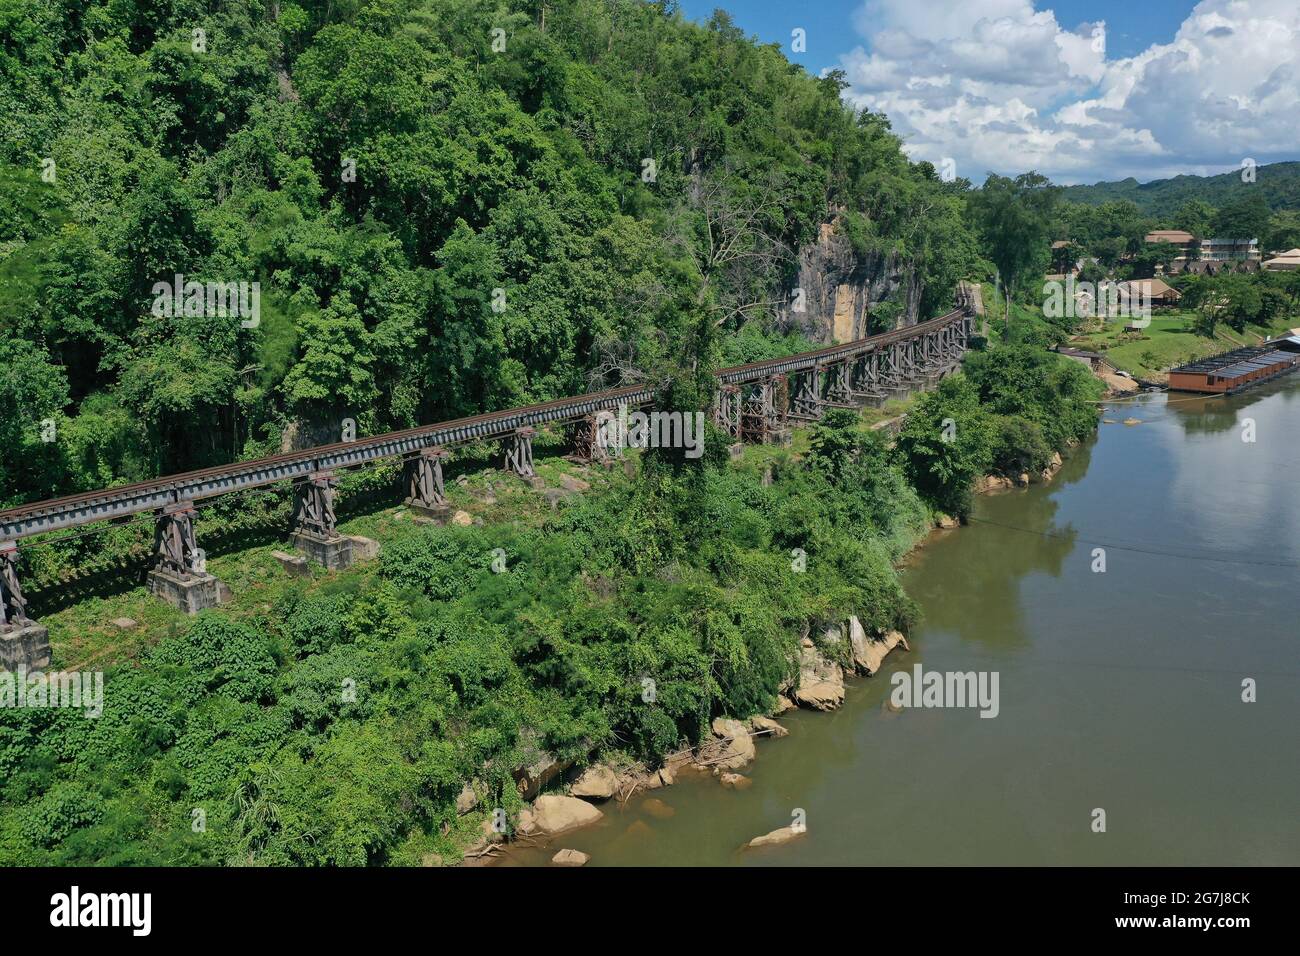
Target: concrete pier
[
  {"x": 26, "y": 645},
  {"x": 189, "y": 593},
  {"x": 333, "y": 552}
]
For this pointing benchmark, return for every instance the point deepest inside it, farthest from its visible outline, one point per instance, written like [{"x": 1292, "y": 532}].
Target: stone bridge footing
[{"x": 27, "y": 646}]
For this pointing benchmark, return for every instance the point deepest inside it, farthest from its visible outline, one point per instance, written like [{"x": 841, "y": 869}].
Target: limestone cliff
[{"x": 841, "y": 288}]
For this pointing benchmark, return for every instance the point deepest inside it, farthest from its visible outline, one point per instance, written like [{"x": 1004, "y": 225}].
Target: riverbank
[
  {"x": 822, "y": 686},
  {"x": 1121, "y": 682},
  {"x": 608, "y": 617}
]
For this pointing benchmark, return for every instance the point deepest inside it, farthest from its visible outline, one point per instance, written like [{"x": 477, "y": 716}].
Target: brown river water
[{"x": 1118, "y": 690}]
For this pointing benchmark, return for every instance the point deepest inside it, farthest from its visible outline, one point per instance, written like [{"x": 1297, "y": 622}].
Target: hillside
[
  {"x": 446, "y": 207},
  {"x": 1278, "y": 183}
]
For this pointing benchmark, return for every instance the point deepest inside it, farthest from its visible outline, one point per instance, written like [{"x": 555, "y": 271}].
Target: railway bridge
[{"x": 757, "y": 402}]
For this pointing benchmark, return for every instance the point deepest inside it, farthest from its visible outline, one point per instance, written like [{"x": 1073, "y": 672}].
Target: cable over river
[{"x": 1120, "y": 690}]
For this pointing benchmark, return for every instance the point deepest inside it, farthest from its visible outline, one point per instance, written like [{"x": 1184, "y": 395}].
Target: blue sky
[{"x": 1081, "y": 90}]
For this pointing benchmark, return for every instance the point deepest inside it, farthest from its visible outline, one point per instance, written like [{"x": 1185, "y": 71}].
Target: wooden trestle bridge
[{"x": 753, "y": 403}]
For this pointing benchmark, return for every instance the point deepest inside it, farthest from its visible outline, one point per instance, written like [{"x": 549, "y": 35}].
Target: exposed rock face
[
  {"x": 947, "y": 522},
  {"x": 541, "y": 769},
  {"x": 821, "y": 682},
  {"x": 1052, "y": 468},
  {"x": 840, "y": 288},
  {"x": 734, "y": 748},
  {"x": 462, "y": 518},
  {"x": 596, "y": 783},
  {"x": 775, "y": 838},
  {"x": 570, "y": 858},
  {"x": 993, "y": 483},
  {"x": 552, "y": 814},
  {"x": 869, "y": 652}
]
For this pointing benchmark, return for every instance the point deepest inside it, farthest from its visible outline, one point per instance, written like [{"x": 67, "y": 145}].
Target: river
[{"x": 1118, "y": 690}]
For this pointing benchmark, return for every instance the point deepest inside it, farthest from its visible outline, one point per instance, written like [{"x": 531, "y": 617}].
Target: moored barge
[{"x": 1241, "y": 368}]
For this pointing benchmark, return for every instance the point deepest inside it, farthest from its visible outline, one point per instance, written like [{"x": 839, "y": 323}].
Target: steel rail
[{"x": 72, "y": 511}]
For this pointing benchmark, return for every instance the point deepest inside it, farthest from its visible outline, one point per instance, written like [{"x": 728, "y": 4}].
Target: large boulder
[
  {"x": 821, "y": 682},
  {"x": 990, "y": 484},
  {"x": 570, "y": 858},
  {"x": 467, "y": 800},
  {"x": 596, "y": 783},
  {"x": 732, "y": 749},
  {"x": 869, "y": 652},
  {"x": 552, "y": 814}
]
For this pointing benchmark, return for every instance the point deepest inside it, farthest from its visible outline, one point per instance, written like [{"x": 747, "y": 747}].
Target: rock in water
[
  {"x": 554, "y": 814},
  {"x": 658, "y": 809},
  {"x": 868, "y": 652},
  {"x": 821, "y": 682},
  {"x": 596, "y": 783},
  {"x": 733, "y": 750},
  {"x": 768, "y": 726},
  {"x": 775, "y": 838},
  {"x": 736, "y": 781},
  {"x": 570, "y": 858}
]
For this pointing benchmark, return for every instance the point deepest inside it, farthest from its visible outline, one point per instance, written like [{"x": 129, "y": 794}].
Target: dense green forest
[
  {"x": 448, "y": 205},
  {"x": 629, "y": 190}
]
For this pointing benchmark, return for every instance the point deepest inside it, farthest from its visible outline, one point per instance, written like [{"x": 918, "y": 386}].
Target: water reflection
[{"x": 1019, "y": 536}]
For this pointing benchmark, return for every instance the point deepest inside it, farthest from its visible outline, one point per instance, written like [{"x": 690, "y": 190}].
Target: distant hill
[{"x": 1278, "y": 182}]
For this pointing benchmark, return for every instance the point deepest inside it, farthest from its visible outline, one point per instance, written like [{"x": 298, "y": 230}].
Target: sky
[{"x": 1079, "y": 90}]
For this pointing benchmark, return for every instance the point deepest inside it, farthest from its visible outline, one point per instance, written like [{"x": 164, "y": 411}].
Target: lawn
[{"x": 1168, "y": 341}]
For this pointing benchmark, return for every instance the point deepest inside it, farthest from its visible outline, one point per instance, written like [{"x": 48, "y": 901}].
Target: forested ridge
[
  {"x": 336, "y": 720},
  {"x": 449, "y": 206},
  {"x": 1278, "y": 184}
]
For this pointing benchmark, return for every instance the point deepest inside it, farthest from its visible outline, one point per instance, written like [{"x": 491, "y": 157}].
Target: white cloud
[{"x": 1002, "y": 87}]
